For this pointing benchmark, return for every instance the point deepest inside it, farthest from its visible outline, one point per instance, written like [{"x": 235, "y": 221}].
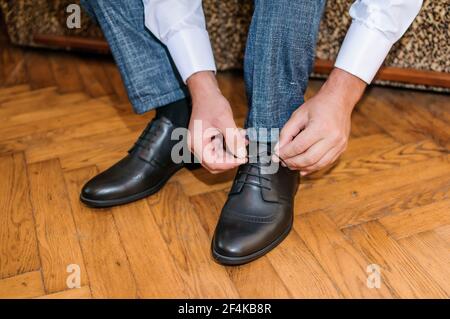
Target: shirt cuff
[
  {"x": 363, "y": 51},
  {"x": 191, "y": 52}
]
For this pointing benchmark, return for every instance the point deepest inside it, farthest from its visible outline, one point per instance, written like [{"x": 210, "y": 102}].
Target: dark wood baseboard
[
  {"x": 73, "y": 43},
  {"x": 403, "y": 75},
  {"x": 394, "y": 74}
]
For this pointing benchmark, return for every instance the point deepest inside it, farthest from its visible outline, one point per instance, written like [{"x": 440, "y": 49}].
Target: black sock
[{"x": 178, "y": 112}]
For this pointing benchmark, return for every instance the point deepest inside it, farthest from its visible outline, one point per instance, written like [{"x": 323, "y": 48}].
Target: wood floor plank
[
  {"x": 27, "y": 285},
  {"x": 12, "y": 91},
  {"x": 150, "y": 259},
  {"x": 115, "y": 78},
  {"x": 65, "y": 72},
  {"x": 444, "y": 233},
  {"x": 48, "y": 144},
  {"x": 38, "y": 69},
  {"x": 109, "y": 271},
  {"x": 363, "y": 126},
  {"x": 266, "y": 283},
  {"x": 341, "y": 261},
  {"x": 103, "y": 149},
  {"x": 57, "y": 236},
  {"x": 94, "y": 78},
  {"x": 24, "y": 101},
  {"x": 406, "y": 115},
  {"x": 104, "y": 155},
  {"x": 419, "y": 117},
  {"x": 200, "y": 181},
  {"x": 18, "y": 245},
  {"x": 300, "y": 271},
  {"x": 433, "y": 253},
  {"x": 417, "y": 219},
  {"x": 98, "y": 68},
  {"x": 366, "y": 145},
  {"x": 436, "y": 104},
  {"x": 13, "y": 66},
  {"x": 53, "y": 105},
  {"x": 390, "y": 202},
  {"x": 399, "y": 271},
  {"x": 78, "y": 147},
  {"x": 389, "y": 158},
  {"x": 33, "y": 122},
  {"x": 315, "y": 196},
  {"x": 189, "y": 245},
  {"x": 388, "y": 118},
  {"x": 38, "y": 108},
  {"x": 2, "y": 75},
  {"x": 75, "y": 293}
]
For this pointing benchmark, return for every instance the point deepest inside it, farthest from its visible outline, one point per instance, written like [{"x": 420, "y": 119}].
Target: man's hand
[
  {"x": 212, "y": 124},
  {"x": 317, "y": 132}
]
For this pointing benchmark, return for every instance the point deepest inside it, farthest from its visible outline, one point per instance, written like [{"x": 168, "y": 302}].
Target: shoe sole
[
  {"x": 236, "y": 261},
  {"x": 125, "y": 200}
]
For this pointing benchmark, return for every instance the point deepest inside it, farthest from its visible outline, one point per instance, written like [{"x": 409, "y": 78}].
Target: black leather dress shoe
[
  {"x": 143, "y": 172},
  {"x": 258, "y": 214}
]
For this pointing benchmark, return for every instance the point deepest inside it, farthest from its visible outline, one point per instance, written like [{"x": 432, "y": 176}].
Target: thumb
[
  {"x": 234, "y": 139},
  {"x": 296, "y": 123}
]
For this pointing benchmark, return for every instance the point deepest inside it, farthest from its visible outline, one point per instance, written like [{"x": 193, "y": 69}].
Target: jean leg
[
  {"x": 278, "y": 59},
  {"x": 149, "y": 75}
]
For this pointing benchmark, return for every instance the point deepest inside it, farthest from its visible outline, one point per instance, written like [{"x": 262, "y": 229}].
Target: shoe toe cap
[
  {"x": 90, "y": 191},
  {"x": 229, "y": 247},
  {"x": 96, "y": 189},
  {"x": 235, "y": 241}
]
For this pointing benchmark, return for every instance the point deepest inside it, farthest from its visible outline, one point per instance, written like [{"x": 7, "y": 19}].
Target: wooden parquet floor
[{"x": 65, "y": 117}]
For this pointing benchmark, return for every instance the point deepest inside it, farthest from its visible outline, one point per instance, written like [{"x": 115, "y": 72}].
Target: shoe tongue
[
  {"x": 258, "y": 159},
  {"x": 145, "y": 139},
  {"x": 260, "y": 153},
  {"x": 251, "y": 177}
]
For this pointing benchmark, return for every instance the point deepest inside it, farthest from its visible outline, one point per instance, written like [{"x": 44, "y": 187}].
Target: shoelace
[
  {"x": 257, "y": 174},
  {"x": 148, "y": 136},
  {"x": 247, "y": 182}
]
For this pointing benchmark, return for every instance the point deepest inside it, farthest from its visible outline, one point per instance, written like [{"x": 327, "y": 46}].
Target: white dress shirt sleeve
[
  {"x": 376, "y": 26},
  {"x": 180, "y": 25}
]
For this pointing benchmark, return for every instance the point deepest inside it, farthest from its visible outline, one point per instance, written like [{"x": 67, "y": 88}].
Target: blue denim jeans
[{"x": 278, "y": 56}]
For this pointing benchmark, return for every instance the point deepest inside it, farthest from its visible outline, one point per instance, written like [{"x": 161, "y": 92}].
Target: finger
[
  {"x": 234, "y": 140},
  {"x": 224, "y": 157},
  {"x": 300, "y": 144},
  {"x": 244, "y": 135},
  {"x": 222, "y": 167},
  {"x": 224, "y": 164},
  {"x": 292, "y": 127},
  {"x": 209, "y": 153},
  {"x": 310, "y": 157},
  {"x": 199, "y": 139},
  {"x": 325, "y": 161},
  {"x": 216, "y": 159}
]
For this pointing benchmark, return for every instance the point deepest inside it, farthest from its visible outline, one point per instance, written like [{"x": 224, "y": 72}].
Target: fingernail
[
  {"x": 275, "y": 159},
  {"x": 241, "y": 152},
  {"x": 303, "y": 173}
]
